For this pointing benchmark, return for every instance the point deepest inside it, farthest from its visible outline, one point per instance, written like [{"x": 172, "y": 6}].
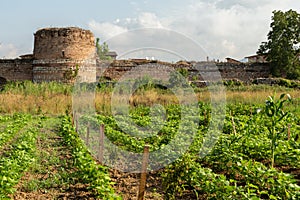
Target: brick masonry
[
  {"x": 63, "y": 43},
  {"x": 60, "y": 54},
  {"x": 16, "y": 69},
  {"x": 197, "y": 71}
]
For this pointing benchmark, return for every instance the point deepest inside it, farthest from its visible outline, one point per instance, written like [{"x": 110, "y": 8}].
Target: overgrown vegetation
[{"x": 102, "y": 50}]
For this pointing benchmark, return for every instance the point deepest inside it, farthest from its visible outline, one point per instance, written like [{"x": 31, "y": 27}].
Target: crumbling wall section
[
  {"x": 16, "y": 69},
  {"x": 197, "y": 71},
  {"x": 64, "y": 70},
  {"x": 244, "y": 72}
]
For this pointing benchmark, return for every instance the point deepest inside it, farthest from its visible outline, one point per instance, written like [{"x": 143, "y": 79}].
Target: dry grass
[
  {"x": 54, "y": 104},
  {"x": 58, "y": 103},
  {"x": 256, "y": 96}
]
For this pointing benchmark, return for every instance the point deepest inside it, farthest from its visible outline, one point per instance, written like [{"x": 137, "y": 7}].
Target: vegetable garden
[{"x": 257, "y": 156}]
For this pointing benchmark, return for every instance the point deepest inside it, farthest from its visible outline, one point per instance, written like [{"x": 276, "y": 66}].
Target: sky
[{"x": 217, "y": 28}]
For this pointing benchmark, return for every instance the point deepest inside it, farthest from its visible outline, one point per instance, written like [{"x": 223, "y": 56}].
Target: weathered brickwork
[
  {"x": 64, "y": 70},
  {"x": 61, "y": 54},
  {"x": 63, "y": 43},
  {"x": 197, "y": 71},
  {"x": 16, "y": 69}
]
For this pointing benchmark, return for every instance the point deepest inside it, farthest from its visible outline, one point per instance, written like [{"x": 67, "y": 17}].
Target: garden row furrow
[
  {"x": 87, "y": 170},
  {"x": 12, "y": 128},
  {"x": 16, "y": 161}
]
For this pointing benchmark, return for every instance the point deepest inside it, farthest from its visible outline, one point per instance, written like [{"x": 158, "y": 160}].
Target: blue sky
[{"x": 223, "y": 28}]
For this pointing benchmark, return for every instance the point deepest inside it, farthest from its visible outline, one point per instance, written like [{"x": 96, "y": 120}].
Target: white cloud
[
  {"x": 106, "y": 29},
  {"x": 224, "y": 28},
  {"x": 149, "y": 20},
  {"x": 229, "y": 47},
  {"x": 8, "y": 51},
  {"x": 225, "y": 4},
  {"x": 220, "y": 31},
  {"x": 233, "y": 28}
]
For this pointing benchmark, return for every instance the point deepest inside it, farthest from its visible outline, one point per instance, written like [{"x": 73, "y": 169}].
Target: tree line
[{"x": 282, "y": 48}]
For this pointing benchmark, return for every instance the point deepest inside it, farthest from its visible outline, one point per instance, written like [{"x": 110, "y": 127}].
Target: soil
[
  {"x": 127, "y": 185},
  {"x": 46, "y": 179}
]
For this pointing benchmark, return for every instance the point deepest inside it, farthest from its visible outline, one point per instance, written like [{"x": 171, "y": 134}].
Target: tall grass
[
  {"x": 56, "y": 98},
  {"x": 28, "y": 97},
  {"x": 40, "y": 89}
]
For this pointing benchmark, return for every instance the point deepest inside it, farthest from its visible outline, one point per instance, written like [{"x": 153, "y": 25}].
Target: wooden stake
[
  {"x": 73, "y": 116},
  {"x": 289, "y": 131},
  {"x": 76, "y": 123},
  {"x": 143, "y": 173},
  {"x": 101, "y": 143},
  {"x": 88, "y": 134},
  {"x": 233, "y": 124}
]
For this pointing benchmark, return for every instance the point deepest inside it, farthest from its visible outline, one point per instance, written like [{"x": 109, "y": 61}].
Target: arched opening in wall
[{"x": 3, "y": 81}]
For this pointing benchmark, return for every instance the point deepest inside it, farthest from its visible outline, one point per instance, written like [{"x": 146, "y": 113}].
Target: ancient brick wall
[
  {"x": 66, "y": 71},
  {"x": 16, "y": 69},
  {"x": 244, "y": 72},
  {"x": 133, "y": 69},
  {"x": 197, "y": 71}
]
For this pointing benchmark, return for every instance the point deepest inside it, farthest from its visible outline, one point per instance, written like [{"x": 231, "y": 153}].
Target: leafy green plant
[
  {"x": 276, "y": 116},
  {"x": 178, "y": 79},
  {"x": 102, "y": 50},
  {"x": 235, "y": 169},
  {"x": 14, "y": 162},
  {"x": 12, "y": 128},
  {"x": 88, "y": 171},
  {"x": 71, "y": 74}
]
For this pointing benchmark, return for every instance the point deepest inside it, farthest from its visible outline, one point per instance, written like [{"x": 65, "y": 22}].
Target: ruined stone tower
[{"x": 61, "y": 54}]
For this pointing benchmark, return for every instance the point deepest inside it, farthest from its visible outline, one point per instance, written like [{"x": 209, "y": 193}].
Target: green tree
[
  {"x": 282, "y": 48},
  {"x": 102, "y": 50}
]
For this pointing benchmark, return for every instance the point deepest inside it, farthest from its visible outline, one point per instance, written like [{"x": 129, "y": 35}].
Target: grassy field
[
  {"x": 256, "y": 156},
  {"x": 55, "y": 98}
]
